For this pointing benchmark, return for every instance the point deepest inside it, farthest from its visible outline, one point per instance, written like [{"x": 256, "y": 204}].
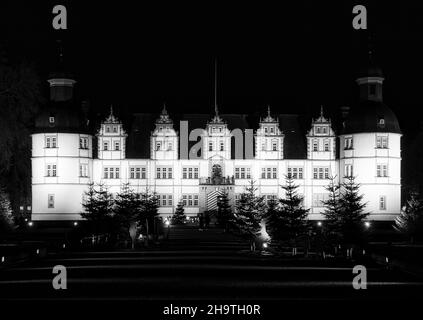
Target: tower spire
[
  {"x": 216, "y": 111},
  {"x": 268, "y": 111},
  {"x": 321, "y": 111}
]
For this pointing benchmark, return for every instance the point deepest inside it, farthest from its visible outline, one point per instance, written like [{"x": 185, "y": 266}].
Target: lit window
[
  {"x": 51, "y": 170},
  {"x": 326, "y": 145},
  {"x": 274, "y": 146},
  {"x": 295, "y": 172},
  {"x": 51, "y": 142},
  {"x": 83, "y": 170},
  {"x": 83, "y": 143},
  {"x": 117, "y": 146},
  {"x": 348, "y": 170},
  {"x": 158, "y": 146},
  {"x": 50, "y": 201},
  {"x": 210, "y": 146},
  {"x": 222, "y": 146},
  {"x": 51, "y": 120},
  {"x": 348, "y": 143},
  {"x": 382, "y": 170},
  {"x": 381, "y": 142},
  {"x": 105, "y": 145},
  {"x": 315, "y": 145},
  {"x": 320, "y": 173},
  {"x": 382, "y": 203}
]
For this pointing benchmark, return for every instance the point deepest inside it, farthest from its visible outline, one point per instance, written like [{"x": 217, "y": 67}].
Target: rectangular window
[
  {"x": 83, "y": 170},
  {"x": 315, "y": 145},
  {"x": 274, "y": 146},
  {"x": 158, "y": 146},
  {"x": 382, "y": 203},
  {"x": 320, "y": 173},
  {"x": 348, "y": 170},
  {"x": 210, "y": 146},
  {"x": 326, "y": 145},
  {"x": 164, "y": 173},
  {"x": 269, "y": 173},
  {"x": 111, "y": 172},
  {"x": 50, "y": 200},
  {"x": 137, "y": 173},
  {"x": 242, "y": 173},
  {"x": 190, "y": 173},
  {"x": 83, "y": 143},
  {"x": 269, "y": 197},
  {"x": 190, "y": 200},
  {"x": 295, "y": 172},
  {"x": 319, "y": 198},
  {"x": 117, "y": 146},
  {"x": 381, "y": 142},
  {"x": 348, "y": 143},
  {"x": 105, "y": 145},
  {"x": 222, "y": 146},
  {"x": 382, "y": 170},
  {"x": 51, "y": 142},
  {"x": 165, "y": 200},
  {"x": 51, "y": 170}
]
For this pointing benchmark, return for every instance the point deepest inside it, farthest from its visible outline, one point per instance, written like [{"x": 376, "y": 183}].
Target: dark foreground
[{"x": 197, "y": 268}]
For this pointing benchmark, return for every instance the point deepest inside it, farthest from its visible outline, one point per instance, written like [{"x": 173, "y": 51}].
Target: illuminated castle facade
[{"x": 156, "y": 154}]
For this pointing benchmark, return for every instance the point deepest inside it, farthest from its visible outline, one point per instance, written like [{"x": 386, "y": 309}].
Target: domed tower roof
[
  {"x": 62, "y": 117},
  {"x": 371, "y": 114}
]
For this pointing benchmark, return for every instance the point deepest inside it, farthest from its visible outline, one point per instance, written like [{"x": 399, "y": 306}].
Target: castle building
[{"x": 194, "y": 157}]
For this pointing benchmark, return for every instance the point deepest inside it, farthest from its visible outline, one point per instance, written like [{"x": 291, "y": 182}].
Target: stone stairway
[{"x": 189, "y": 237}]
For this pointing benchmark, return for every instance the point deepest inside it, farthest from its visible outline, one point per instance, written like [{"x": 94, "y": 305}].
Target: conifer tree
[
  {"x": 352, "y": 215},
  {"x": 98, "y": 205},
  {"x": 290, "y": 220},
  {"x": 6, "y": 217},
  {"x": 249, "y": 212},
  {"x": 410, "y": 220},
  {"x": 179, "y": 215},
  {"x": 224, "y": 210},
  {"x": 127, "y": 207}
]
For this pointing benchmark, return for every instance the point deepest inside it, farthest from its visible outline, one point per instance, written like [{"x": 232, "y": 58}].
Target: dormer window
[
  {"x": 318, "y": 130},
  {"x": 381, "y": 122},
  {"x": 51, "y": 120},
  {"x": 158, "y": 146},
  {"x": 324, "y": 130},
  {"x": 265, "y": 130},
  {"x": 271, "y": 130},
  {"x": 115, "y": 130},
  {"x": 107, "y": 129}
]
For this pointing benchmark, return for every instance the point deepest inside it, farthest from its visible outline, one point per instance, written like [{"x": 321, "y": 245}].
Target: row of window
[
  {"x": 116, "y": 146},
  {"x": 295, "y": 173},
  {"x": 51, "y": 142},
  {"x": 316, "y": 146},
  {"x": 191, "y": 200},
  {"x": 274, "y": 146},
  {"x": 381, "y": 142},
  {"x": 221, "y": 146}
]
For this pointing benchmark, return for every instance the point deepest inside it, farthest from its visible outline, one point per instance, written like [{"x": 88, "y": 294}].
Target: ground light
[
  {"x": 319, "y": 223},
  {"x": 30, "y": 223},
  {"x": 265, "y": 245},
  {"x": 167, "y": 222},
  {"x": 75, "y": 224},
  {"x": 367, "y": 224}
]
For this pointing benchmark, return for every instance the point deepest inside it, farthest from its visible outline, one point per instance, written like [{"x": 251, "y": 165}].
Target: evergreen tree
[
  {"x": 333, "y": 210},
  {"x": 249, "y": 212},
  {"x": 149, "y": 210},
  {"x": 6, "y": 217},
  {"x": 410, "y": 220},
  {"x": 352, "y": 215},
  {"x": 289, "y": 219},
  {"x": 127, "y": 207},
  {"x": 224, "y": 210},
  {"x": 98, "y": 205},
  {"x": 179, "y": 215}
]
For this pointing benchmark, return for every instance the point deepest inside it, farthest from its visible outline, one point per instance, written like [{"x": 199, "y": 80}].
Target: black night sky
[{"x": 293, "y": 57}]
